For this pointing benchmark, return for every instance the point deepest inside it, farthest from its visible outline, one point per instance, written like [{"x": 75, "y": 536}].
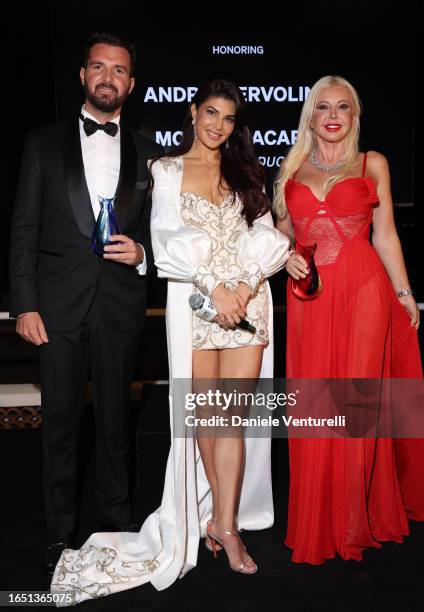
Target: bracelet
[{"x": 404, "y": 292}]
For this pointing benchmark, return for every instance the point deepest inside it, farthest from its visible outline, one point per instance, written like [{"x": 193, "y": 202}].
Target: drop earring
[{"x": 194, "y": 129}]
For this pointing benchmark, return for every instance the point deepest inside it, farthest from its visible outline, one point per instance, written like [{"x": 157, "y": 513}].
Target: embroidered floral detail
[
  {"x": 205, "y": 279},
  {"x": 252, "y": 275},
  {"x": 171, "y": 162},
  {"x": 73, "y": 564}
]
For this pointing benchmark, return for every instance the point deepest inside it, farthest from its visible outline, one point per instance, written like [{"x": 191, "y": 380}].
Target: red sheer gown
[{"x": 348, "y": 494}]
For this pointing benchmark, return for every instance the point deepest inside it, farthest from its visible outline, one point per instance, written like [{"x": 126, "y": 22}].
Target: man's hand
[
  {"x": 127, "y": 252},
  {"x": 30, "y": 327}
]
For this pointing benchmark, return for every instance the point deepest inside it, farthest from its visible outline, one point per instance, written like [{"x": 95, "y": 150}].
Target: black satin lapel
[
  {"x": 127, "y": 176},
  {"x": 75, "y": 180}
]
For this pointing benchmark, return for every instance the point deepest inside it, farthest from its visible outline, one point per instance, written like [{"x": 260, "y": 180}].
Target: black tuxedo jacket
[{"x": 53, "y": 270}]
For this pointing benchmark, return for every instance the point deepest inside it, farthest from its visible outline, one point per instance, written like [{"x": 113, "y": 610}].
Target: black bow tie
[{"x": 91, "y": 126}]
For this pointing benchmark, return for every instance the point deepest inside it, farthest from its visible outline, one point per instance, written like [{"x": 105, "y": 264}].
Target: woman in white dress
[{"x": 212, "y": 232}]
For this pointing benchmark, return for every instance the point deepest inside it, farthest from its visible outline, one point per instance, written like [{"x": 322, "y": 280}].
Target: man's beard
[{"x": 102, "y": 103}]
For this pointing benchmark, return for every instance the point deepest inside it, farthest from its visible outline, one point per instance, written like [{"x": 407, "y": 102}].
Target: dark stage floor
[{"x": 390, "y": 578}]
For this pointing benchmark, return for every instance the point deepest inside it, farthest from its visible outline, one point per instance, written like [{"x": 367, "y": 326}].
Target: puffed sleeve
[
  {"x": 181, "y": 253},
  {"x": 263, "y": 251}
]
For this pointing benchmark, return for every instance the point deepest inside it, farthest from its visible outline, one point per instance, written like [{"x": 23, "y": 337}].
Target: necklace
[{"x": 323, "y": 167}]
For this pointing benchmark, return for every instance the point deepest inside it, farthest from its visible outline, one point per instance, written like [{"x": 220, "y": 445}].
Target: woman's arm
[
  {"x": 285, "y": 226},
  {"x": 385, "y": 238},
  {"x": 296, "y": 266}
]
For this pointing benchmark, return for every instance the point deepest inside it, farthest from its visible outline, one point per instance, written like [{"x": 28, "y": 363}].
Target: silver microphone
[{"x": 204, "y": 308}]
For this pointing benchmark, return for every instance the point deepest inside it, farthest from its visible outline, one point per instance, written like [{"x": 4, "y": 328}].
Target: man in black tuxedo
[{"x": 85, "y": 312}]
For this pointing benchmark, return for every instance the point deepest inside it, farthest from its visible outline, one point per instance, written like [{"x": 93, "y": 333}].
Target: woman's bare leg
[
  {"x": 223, "y": 457},
  {"x": 241, "y": 363},
  {"x": 206, "y": 366}
]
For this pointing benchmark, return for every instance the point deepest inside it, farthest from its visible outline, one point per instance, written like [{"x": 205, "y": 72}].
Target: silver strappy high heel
[
  {"x": 214, "y": 540},
  {"x": 208, "y": 542}
]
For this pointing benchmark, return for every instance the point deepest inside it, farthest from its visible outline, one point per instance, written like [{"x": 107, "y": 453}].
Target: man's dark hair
[{"x": 115, "y": 40}]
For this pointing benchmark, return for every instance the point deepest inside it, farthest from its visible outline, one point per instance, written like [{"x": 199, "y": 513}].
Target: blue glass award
[{"x": 106, "y": 226}]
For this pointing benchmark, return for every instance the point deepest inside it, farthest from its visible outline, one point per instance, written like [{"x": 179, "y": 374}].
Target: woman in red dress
[{"x": 346, "y": 494}]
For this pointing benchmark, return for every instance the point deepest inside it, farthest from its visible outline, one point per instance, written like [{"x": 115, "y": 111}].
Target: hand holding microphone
[{"x": 227, "y": 307}]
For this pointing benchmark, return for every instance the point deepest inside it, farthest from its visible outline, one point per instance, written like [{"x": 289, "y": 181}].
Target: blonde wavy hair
[{"x": 306, "y": 142}]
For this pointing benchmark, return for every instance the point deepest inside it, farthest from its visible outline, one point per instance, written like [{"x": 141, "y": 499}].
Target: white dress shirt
[{"x": 101, "y": 155}]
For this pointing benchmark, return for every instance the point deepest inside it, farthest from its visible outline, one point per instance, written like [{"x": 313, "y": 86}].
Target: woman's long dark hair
[{"x": 240, "y": 168}]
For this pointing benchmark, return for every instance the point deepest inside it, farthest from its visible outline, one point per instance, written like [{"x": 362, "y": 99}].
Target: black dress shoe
[
  {"x": 51, "y": 556},
  {"x": 133, "y": 527}
]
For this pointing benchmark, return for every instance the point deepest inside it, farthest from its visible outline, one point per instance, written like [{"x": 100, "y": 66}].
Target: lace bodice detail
[{"x": 344, "y": 215}]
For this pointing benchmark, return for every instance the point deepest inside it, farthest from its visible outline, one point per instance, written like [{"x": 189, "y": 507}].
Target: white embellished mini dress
[{"x": 225, "y": 225}]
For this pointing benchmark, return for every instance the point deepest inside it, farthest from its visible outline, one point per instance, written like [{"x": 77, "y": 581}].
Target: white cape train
[{"x": 167, "y": 545}]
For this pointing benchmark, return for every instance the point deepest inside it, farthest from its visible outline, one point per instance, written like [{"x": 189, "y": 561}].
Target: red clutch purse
[{"x": 310, "y": 287}]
